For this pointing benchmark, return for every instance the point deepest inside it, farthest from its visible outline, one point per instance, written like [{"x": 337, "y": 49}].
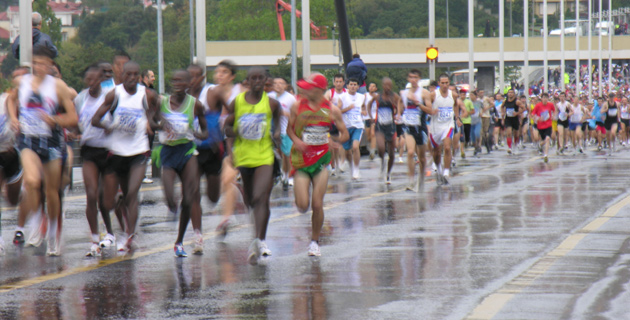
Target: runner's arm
[
  {"x": 203, "y": 125},
  {"x": 428, "y": 103},
  {"x": 276, "y": 110},
  {"x": 341, "y": 126},
  {"x": 12, "y": 109},
  {"x": 228, "y": 127},
  {"x": 69, "y": 118},
  {"x": 297, "y": 141},
  {"x": 153, "y": 111},
  {"x": 102, "y": 110}
]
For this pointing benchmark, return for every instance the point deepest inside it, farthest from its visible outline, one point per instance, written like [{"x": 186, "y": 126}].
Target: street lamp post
[
  {"x": 545, "y": 66},
  {"x": 526, "y": 49},
  {"x": 577, "y": 48},
  {"x": 501, "y": 48},
  {"x": 562, "y": 44},
  {"x": 471, "y": 52}
]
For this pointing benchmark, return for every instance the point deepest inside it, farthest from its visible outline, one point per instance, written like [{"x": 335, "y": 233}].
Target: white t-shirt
[{"x": 286, "y": 100}]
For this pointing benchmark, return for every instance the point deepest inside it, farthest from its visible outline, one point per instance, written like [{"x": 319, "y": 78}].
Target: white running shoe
[
  {"x": 383, "y": 167},
  {"x": 108, "y": 241},
  {"x": 400, "y": 160},
  {"x": 54, "y": 246},
  {"x": 291, "y": 182},
  {"x": 147, "y": 180},
  {"x": 37, "y": 229},
  {"x": 313, "y": 249},
  {"x": 198, "y": 244},
  {"x": 264, "y": 250},
  {"x": 356, "y": 175},
  {"x": 253, "y": 253},
  {"x": 95, "y": 250}
]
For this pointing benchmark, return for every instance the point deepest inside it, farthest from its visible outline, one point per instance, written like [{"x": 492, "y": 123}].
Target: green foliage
[
  {"x": 283, "y": 68},
  {"x": 50, "y": 24},
  {"x": 120, "y": 27},
  {"x": 74, "y": 58}
]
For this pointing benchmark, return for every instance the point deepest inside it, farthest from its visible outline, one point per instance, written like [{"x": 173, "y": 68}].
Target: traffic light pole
[{"x": 431, "y": 36}]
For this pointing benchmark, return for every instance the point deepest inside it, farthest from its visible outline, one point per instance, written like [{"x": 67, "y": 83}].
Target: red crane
[{"x": 317, "y": 33}]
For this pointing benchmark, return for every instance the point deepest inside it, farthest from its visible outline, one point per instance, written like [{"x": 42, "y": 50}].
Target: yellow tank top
[{"x": 252, "y": 123}]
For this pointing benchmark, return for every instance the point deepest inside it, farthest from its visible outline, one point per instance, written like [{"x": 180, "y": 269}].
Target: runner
[
  {"x": 176, "y": 155},
  {"x": 39, "y": 109},
  {"x": 577, "y": 118},
  {"x": 499, "y": 124},
  {"x": 309, "y": 124},
  {"x": 413, "y": 107},
  {"x": 475, "y": 122},
  {"x": 543, "y": 113},
  {"x": 132, "y": 108},
  {"x": 385, "y": 126},
  {"x": 486, "y": 119},
  {"x": 466, "y": 121},
  {"x": 249, "y": 122},
  {"x": 219, "y": 98},
  {"x": 624, "y": 116},
  {"x": 338, "y": 155},
  {"x": 512, "y": 108},
  {"x": 444, "y": 107},
  {"x": 94, "y": 152},
  {"x": 352, "y": 105},
  {"x": 368, "y": 118},
  {"x": 10, "y": 165},
  {"x": 610, "y": 110},
  {"x": 286, "y": 101},
  {"x": 562, "y": 111},
  {"x": 524, "y": 122}
]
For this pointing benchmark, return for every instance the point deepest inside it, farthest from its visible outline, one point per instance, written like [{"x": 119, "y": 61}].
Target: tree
[
  {"x": 50, "y": 24},
  {"x": 75, "y": 57}
]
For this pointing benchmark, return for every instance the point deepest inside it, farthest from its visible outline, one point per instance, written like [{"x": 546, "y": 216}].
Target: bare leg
[{"x": 190, "y": 194}]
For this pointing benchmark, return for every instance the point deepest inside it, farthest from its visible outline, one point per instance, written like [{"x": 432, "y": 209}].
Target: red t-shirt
[{"x": 545, "y": 114}]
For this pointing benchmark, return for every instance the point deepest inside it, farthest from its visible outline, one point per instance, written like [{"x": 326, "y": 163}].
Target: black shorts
[
  {"x": 419, "y": 133},
  {"x": 11, "y": 166},
  {"x": 177, "y": 157},
  {"x": 96, "y": 155},
  {"x": 584, "y": 126},
  {"x": 524, "y": 122},
  {"x": 388, "y": 130},
  {"x": 564, "y": 124},
  {"x": 512, "y": 122},
  {"x": 122, "y": 165},
  {"x": 399, "y": 130},
  {"x": 48, "y": 149},
  {"x": 368, "y": 123},
  {"x": 333, "y": 130},
  {"x": 210, "y": 162},
  {"x": 626, "y": 122},
  {"x": 609, "y": 123},
  {"x": 544, "y": 133}
]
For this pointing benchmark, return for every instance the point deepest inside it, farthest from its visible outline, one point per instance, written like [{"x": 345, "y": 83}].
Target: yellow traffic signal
[{"x": 432, "y": 54}]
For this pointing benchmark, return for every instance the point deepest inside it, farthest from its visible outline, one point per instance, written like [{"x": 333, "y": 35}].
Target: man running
[
  {"x": 444, "y": 107},
  {"x": 386, "y": 109},
  {"x": 543, "y": 114},
  {"x": 332, "y": 95},
  {"x": 512, "y": 108},
  {"x": 352, "y": 104},
  {"x": 176, "y": 155},
  {"x": 368, "y": 118},
  {"x": 563, "y": 107},
  {"x": 610, "y": 110},
  {"x": 94, "y": 152},
  {"x": 413, "y": 107},
  {"x": 132, "y": 108},
  {"x": 309, "y": 124},
  {"x": 40, "y": 109},
  {"x": 286, "y": 101},
  {"x": 475, "y": 122},
  {"x": 249, "y": 122}
]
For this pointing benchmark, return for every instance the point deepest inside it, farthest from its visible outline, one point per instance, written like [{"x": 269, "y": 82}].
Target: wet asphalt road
[{"x": 509, "y": 238}]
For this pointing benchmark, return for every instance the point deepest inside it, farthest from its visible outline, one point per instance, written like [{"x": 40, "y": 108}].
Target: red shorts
[{"x": 601, "y": 129}]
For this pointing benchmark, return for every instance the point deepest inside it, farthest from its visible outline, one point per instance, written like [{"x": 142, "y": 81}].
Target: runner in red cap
[{"x": 309, "y": 124}]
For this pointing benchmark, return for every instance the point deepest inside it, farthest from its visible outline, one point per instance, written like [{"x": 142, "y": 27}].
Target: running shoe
[
  {"x": 355, "y": 174},
  {"x": 95, "y": 250},
  {"x": 198, "y": 244},
  {"x": 372, "y": 155},
  {"x": 411, "y": 185},
  {"x": 400, "y": 160},
  {"x": 463, "y": 155},
  {"x": 54, "y": 245},
  {"x": 224, "y": 227},
  {"x": 599, "y": 148},
  {"x": 18, "y": 238},
  {"x": 253, "y": 253},
  {"x": 509, "y": 151},
  {"x": 264, "y": 250},
  {"x": 445, "y": 177},
  {"x": 129, "y": 245},
  {"x": 388, "y": 180},
  {"x": 581, "y": 151},
  {"x": 108, "y": 241},
  {"x": 285, "y": 185},
  {"x": 147, "y": 180},
  {"x": 179, "y": 251},
  {"x": 291, "y": 182},
  {"x": 545, "y": 159},
  {"x": 313, "y": 249},
  {"x": 383, "y": 167}
]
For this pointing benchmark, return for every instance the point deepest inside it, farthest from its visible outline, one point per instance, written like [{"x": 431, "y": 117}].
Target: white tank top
[
  {"x": 412, "y": 114},
  {"x": 444, "y": 117},
  {"x": 32, "y": 104},
  {"x": 86, "y": 106},
  {"x": 203, "y": 96},
  {"x": 577, "y": 114},
  {"x": 625, "y": 112},
  {"x": 7, "y": 136},
  {"x": 352, "y": 118},
  {"x": 562, "y": 110},
  {"x": 129, "y": 124},
  {"x": 286, "y": 100}
]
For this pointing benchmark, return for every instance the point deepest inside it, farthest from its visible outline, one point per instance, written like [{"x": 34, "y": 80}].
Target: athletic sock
[{"x": 509, "y": 142}]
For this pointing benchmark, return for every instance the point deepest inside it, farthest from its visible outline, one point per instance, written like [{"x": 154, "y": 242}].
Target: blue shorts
[
  {"x": 475, "y": 132},
  {"x": 286, "y": 144},
  {"x": 573, "y": 126},
  {"x": 176, "y": 157},
  {"x": 355, "y": 135}
]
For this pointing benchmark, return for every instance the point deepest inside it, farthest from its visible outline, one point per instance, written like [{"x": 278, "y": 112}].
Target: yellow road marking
[{"x": 493, "y": 303}]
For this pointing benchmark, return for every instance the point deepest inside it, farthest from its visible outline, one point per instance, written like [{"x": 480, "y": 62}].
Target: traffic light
[{"x": 432, "y": 54}]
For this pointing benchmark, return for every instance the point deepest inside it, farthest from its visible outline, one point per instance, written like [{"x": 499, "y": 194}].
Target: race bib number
[
  {"x": 525, "y": 113},
  {"x": 315, "y": 135},
  {"x": 509, "y": 112},
  {"x": 411, "y": 117},
  {"x": 544, "y": 116},
  {"x": 252, "y": 126},
  {"x": 385, "y": 116},
  {"x": 32, "y": 124},
  {"x": 562, "y": 116},
  {"x": 178, "y": 122},
  {"x": 445, "y": 114},
  {"x": 612, "y": 112},
  {"x": 127, "y": 119},
  {"x": 625, "y": 115}
]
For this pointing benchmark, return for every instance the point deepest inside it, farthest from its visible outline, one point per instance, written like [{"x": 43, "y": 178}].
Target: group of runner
[{"x": 256, "y": 132}]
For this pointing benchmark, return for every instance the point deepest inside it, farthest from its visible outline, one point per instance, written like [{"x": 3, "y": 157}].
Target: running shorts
[
  {"x": 48, "y": 149},
  {"x": 11, "y": 166},
  {"x": 355, "y": 135},
  {"x": 121, "y": 166},
  {"x": 419, "y": 134},
  {"x": 512, "y": 122},
  {"x": 399, "y": 130},
  {"x": 438, "y": 137},
  {"x": 96, "y": 155},
  {"x": 175, "y": 157},
  {"x": 313, "y": 170},
  {"x": 388, "y": 130},
  {"x": 544, "y": 133},
  {"x": 210, "y": 162},
  {"x": 563, "y": 123},
  {"x": 609, "y": 123},
  {"x": 368, "y": 123}
]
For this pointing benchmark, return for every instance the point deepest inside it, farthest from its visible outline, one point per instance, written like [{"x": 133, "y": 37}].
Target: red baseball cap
[{"x": 315, "y": 80}]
